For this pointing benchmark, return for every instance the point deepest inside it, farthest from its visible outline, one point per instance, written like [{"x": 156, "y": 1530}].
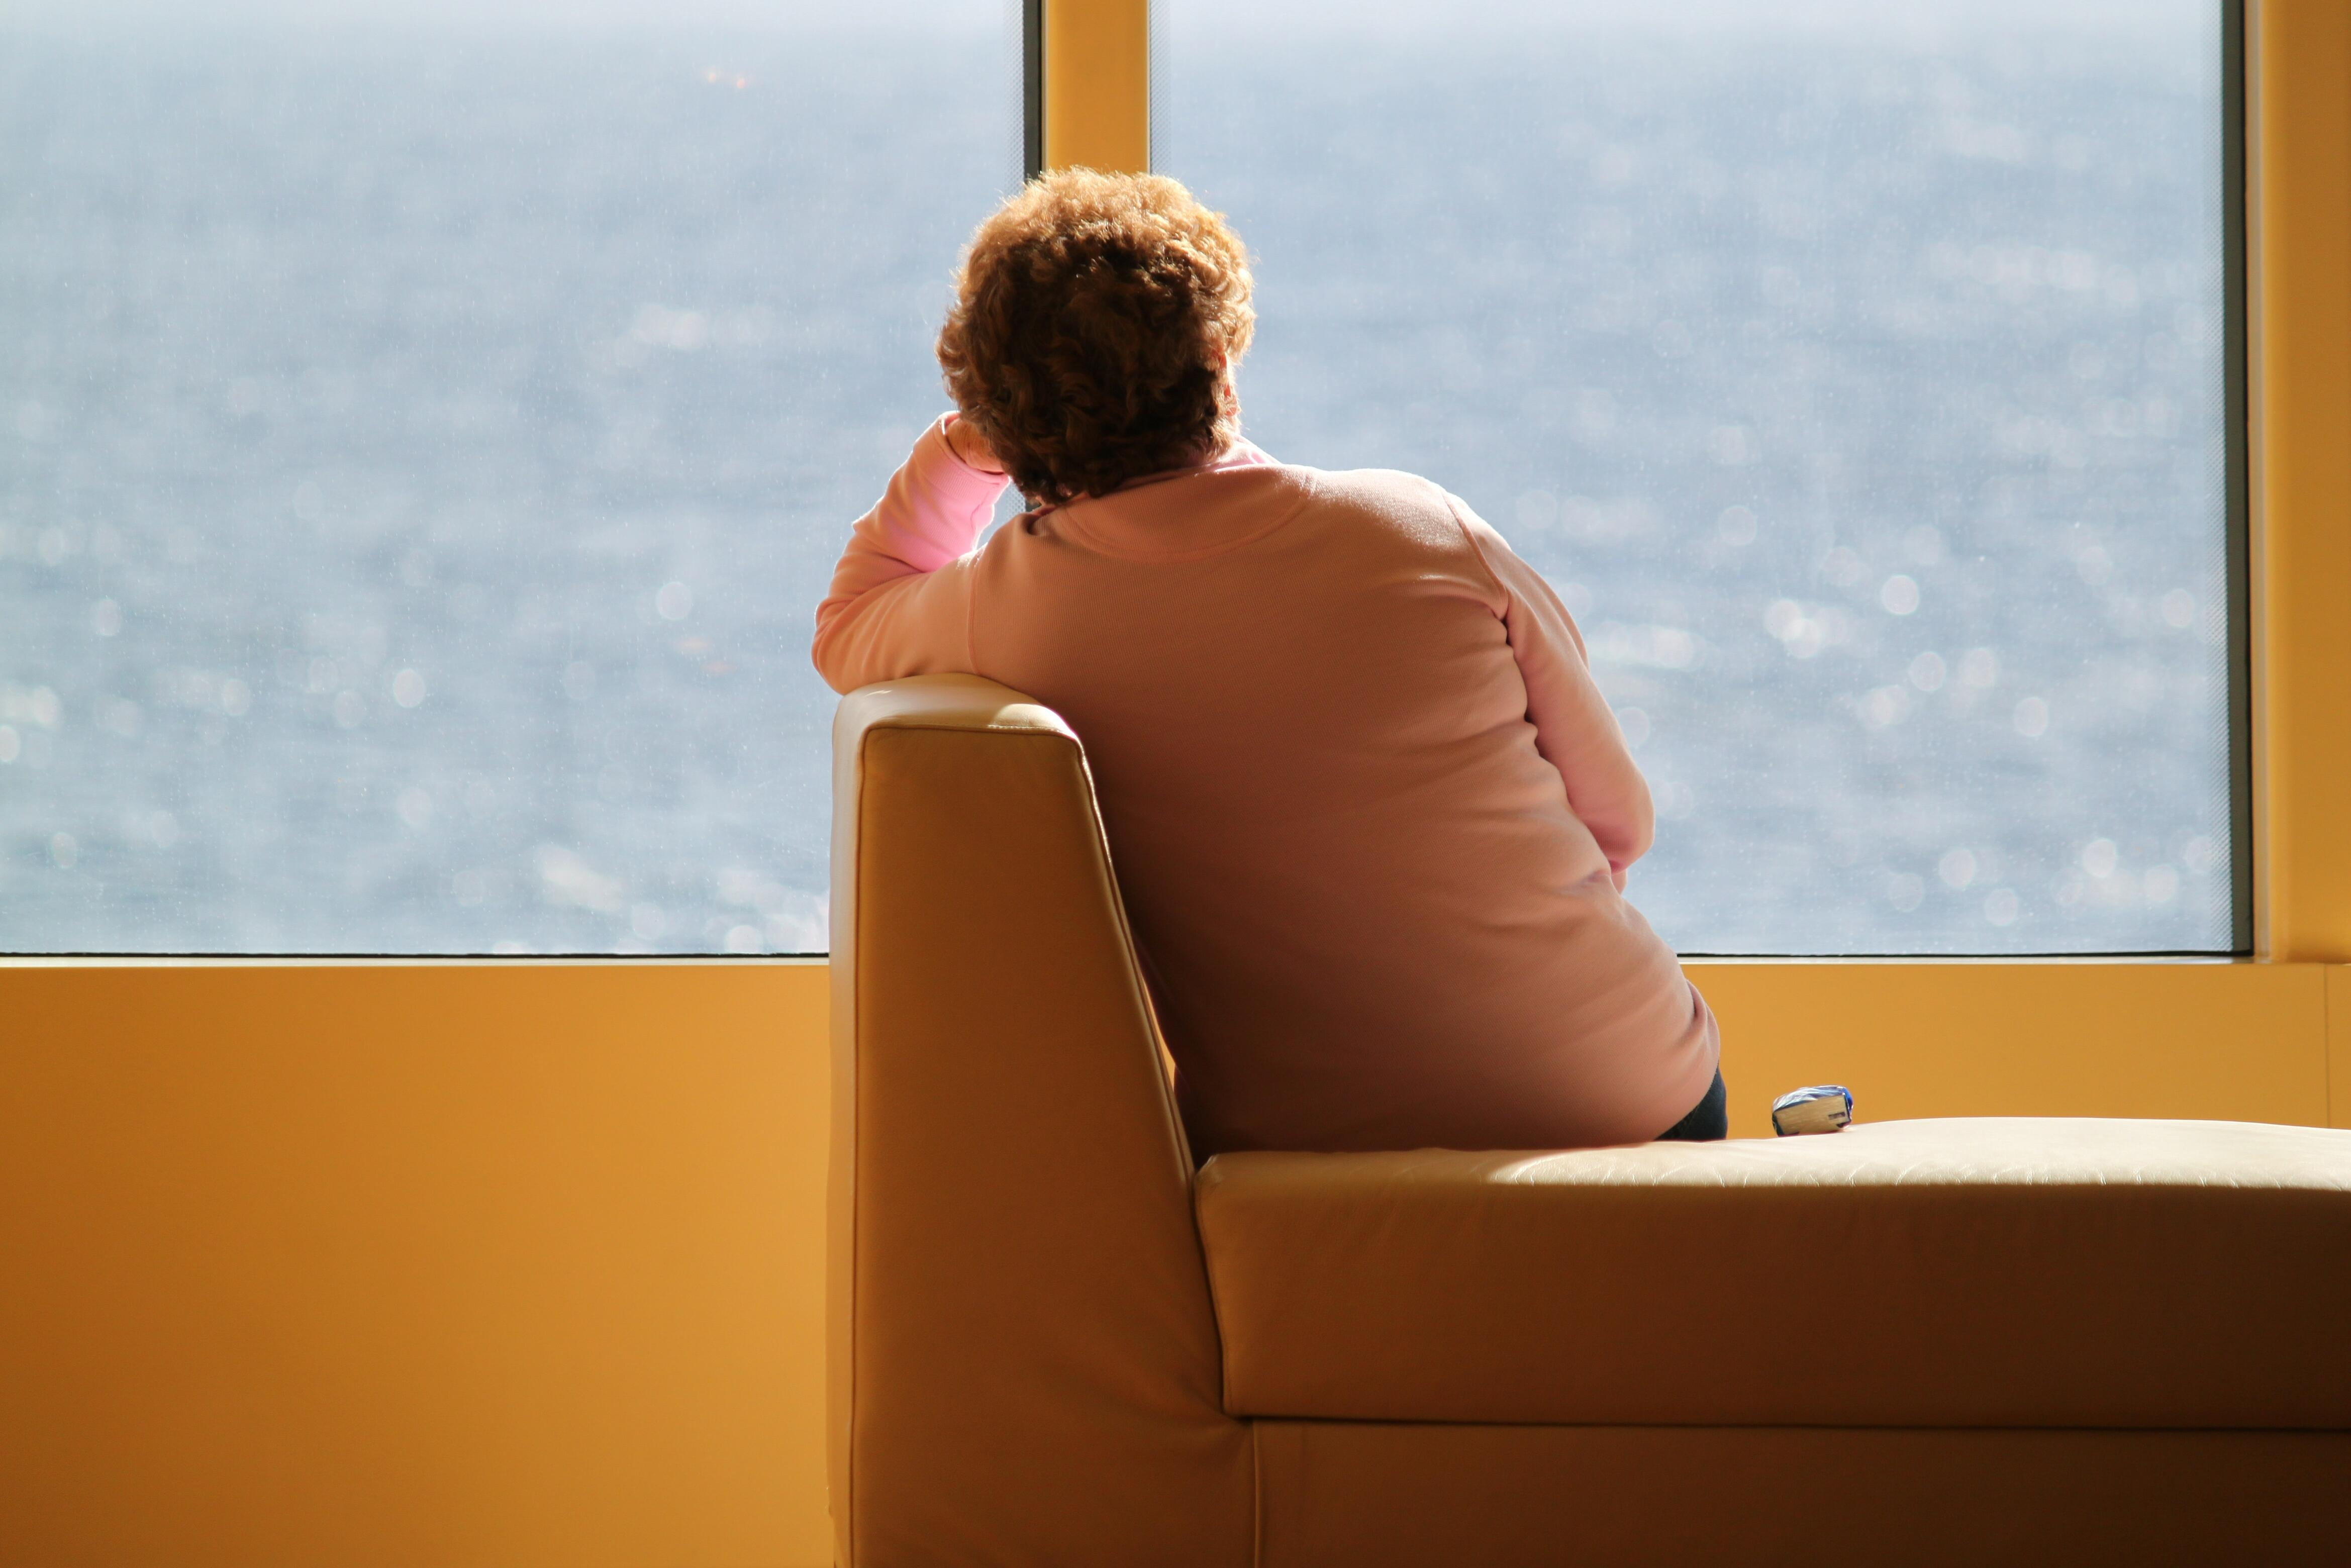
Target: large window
[
  {"x": 425, "y": 431},
  {"x": 1860, "y": 373}
]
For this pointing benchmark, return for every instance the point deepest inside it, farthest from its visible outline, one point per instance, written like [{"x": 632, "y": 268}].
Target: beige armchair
[{"x": 1053, "y": 1342}]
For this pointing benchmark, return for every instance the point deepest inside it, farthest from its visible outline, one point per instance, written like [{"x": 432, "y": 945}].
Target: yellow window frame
[{"x": 522, "y": 1260}]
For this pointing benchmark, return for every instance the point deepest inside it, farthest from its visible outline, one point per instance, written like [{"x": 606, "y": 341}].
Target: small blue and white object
[{"x": 1822, "y": 1108}]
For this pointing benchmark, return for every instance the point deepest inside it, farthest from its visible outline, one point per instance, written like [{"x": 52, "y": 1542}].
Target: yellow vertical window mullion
[
  {"x": 2300, "y": 232},
  {"x": 1097, "y": 84}
]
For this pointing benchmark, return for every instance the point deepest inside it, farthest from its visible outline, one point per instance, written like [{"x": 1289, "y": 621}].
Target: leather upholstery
[
  {"x": 1347, "y": 1494},
  {"x": 1024, "y": 1366},
  {"x": 1980, "y": 1272},
  {"x": 1925, "y": 1343}
]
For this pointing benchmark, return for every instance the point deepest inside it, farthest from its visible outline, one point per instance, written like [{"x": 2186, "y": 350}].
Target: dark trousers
[{"x": 1708, "y": 1121}]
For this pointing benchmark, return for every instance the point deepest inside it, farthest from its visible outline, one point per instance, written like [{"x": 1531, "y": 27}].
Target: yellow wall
[
  {"x": 523, "y": 1264},
  {"x": 411, "y": 1265},
  {"x": 2228, "y": 1041}
]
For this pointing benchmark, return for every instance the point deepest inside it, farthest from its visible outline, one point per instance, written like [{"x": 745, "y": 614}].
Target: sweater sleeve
[
  {"x": 1575, "y": 730},
  {"x": 901, "y": 597}
]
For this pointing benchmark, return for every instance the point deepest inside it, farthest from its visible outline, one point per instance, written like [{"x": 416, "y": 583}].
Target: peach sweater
[{"x": 1363, "y": 798}]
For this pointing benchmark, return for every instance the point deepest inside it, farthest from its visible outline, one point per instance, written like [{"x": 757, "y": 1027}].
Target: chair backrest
[{"x": 1023, "y": 1356}]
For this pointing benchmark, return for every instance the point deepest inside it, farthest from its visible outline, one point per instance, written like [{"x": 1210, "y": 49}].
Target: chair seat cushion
[{"x": 1994, "y": 1273}]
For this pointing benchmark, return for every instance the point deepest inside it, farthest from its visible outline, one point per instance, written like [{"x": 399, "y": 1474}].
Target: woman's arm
[
  {"x": 901, "y": 599},
  {"x": 1574, "y": 728}
]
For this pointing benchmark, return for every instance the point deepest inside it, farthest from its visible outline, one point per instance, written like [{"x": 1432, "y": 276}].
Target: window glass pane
[
  {"x": 1856, "y": 371},
  {"x": 425, "y": 432}
]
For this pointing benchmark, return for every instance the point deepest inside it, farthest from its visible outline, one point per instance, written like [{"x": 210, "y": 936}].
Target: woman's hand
[{"x": 967, "y": 443}]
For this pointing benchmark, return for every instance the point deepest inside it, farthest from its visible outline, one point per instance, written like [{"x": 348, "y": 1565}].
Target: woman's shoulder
[
  {"x": 1385, "y": 492},
  {"x": 1390, "y": 501}
]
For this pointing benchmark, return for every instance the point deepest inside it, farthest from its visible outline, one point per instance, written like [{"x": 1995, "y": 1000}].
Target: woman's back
[{"x": 1335, "y": 727}]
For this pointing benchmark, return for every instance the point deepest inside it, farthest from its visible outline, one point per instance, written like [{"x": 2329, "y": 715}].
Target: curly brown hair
[{"x": 1094, "y": 317}]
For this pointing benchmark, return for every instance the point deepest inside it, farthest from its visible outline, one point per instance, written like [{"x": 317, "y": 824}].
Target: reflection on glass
[
  {"x": 1855, "y": 373},
  {"x": 423, "y": 436}
]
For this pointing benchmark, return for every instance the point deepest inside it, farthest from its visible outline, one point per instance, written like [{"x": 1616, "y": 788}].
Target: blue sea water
[{"x": 421, "y": 450}]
